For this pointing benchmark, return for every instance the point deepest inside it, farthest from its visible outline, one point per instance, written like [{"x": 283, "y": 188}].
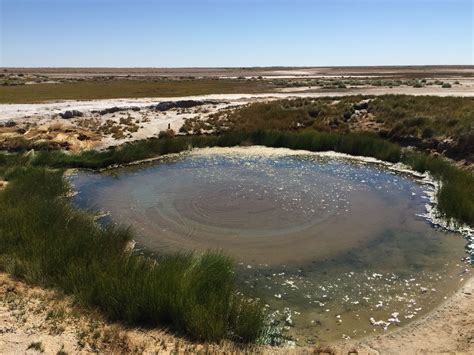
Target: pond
[{"x": 337, "y": 247}]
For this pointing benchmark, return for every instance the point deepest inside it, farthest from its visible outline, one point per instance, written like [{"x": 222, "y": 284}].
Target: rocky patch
[
  {"x": 116, "y": 109},
  {"x": 70, "y": 114},
  {"x": 8, "y": 124},
  {"x": 168, "y": 105}
]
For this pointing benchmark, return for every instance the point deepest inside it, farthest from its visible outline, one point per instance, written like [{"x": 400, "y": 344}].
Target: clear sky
[{"x": 179, "y": 33}]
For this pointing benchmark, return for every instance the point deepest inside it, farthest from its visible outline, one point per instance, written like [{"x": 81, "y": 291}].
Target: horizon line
[{"x": 242, "y": 67}]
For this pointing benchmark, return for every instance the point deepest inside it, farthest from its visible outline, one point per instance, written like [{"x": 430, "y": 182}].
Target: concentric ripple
[{"x": 301, "y": 207}]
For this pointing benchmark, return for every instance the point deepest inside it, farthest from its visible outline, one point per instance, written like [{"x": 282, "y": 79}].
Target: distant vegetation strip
[{"x": 122, "y": 88}]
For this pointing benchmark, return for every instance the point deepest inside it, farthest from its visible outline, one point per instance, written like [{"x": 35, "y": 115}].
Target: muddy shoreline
[{"x": 446, "y": 329}]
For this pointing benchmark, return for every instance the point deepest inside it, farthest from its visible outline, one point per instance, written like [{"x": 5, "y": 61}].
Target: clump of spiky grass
[
  {"x": 456, "y": 196},
  {"x": 45, "y": 241}
]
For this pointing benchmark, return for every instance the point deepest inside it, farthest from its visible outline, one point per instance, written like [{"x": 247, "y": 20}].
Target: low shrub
[{"x": 169, "y": 133}]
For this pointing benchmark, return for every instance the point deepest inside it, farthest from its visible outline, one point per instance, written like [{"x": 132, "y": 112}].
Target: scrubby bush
[
  {"x": 427, "y": 132},
  {"x": 169, "y": 133},
  {"x": 448, "y": 116}
]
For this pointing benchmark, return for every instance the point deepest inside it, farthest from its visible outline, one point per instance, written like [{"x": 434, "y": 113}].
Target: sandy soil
[
  {"x": 447, "y": 329},
  {"x": 41, "y": 123},
  {"x": 34, "y": 320}
]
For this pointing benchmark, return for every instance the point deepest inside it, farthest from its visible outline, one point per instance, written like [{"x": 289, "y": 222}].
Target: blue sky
[{"x": 179, "y": 33}]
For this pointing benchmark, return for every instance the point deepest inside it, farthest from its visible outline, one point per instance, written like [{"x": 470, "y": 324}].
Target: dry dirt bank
[{"x": 34, "y": 320}]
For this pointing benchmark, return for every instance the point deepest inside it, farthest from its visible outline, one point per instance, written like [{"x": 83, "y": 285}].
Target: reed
[{"x": 45, "y": 241}]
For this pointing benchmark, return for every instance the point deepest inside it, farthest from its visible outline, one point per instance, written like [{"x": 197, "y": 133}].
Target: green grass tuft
[{"x": 45, "y": 241}]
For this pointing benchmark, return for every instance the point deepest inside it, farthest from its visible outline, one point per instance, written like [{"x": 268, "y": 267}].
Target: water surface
[{"x": 328, "y": 242}]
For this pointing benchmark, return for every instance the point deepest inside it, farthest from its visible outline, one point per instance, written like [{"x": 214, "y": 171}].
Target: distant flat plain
[
  {"x": 386, "y": 71},
  {"x": 34, "y": 85}
]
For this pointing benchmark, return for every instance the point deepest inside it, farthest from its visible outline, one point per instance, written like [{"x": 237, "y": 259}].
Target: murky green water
[{"x": 328, "y": 243}]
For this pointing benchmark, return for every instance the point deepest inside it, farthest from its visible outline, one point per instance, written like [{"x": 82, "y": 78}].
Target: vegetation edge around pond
[
  {"x": 455, "y": 198},
  {"x": 44, "y": 240}
]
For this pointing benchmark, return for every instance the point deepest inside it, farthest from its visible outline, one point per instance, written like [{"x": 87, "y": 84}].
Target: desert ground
[
  {"x": 100, "y": 107},
  {"x": 35, "y": 320},
  {"x": 71, "y": 108}
]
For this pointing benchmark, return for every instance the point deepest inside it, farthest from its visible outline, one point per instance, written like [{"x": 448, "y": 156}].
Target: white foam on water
[{"x": 433, "y": 186}]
